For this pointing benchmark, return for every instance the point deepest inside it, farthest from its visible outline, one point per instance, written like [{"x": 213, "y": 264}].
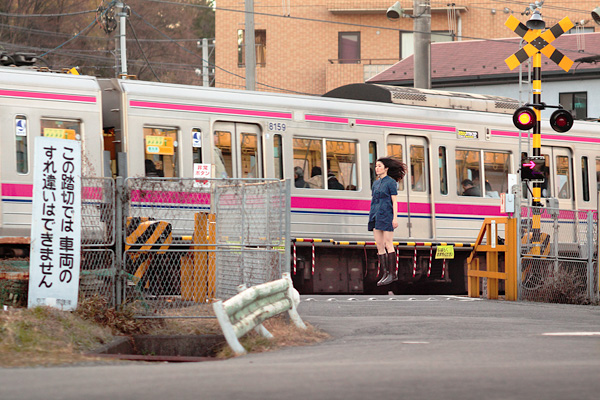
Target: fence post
[
  {"x": 510, "y": 260},
  {"x": 590, "y": 261},
  {"x": 119, "y": 237}
]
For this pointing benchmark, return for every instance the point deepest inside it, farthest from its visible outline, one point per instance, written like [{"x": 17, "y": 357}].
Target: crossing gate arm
[{"x": 492, "y": 248}]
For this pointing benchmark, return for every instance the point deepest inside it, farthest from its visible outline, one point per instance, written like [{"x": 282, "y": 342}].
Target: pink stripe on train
[
  {"x": 17, "y": 190},
  {"x": 390, "y": 124},
  {"x": 351, "y": 205},
  {"x": 206, "y": 109},
  {"x": 47, "y": 96}
]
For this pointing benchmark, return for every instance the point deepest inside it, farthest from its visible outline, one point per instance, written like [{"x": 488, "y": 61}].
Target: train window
[
  {"x": 395, "y": 150},
  {"x": 249, "y": 147},
  {"x": 417, "y": 168},
  {"x": 222, "y": 153},
  {"x": 21, "y": 139},
  {"x": 496, "y": 167},
  {"x": 62, "y": 129},
  {"x": 277, "y": 156},
  {"x": 598, "y": 174},
  {"x": 585, "y": 181},
  {"x": 197, "y": 145},
  {"x": 467, "y": 170},
  {"x": 341, "y": 165},
  {"x": 443, "y": 170},
  {"x": 161, "y": 152},
  {"x": 372, "y": 160},
  {"x": 563, "y": 172},
  {"x": 308, "y": 156}
]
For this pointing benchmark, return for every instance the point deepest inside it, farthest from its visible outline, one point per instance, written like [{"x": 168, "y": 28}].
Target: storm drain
[{"x": 163, "y": 348}]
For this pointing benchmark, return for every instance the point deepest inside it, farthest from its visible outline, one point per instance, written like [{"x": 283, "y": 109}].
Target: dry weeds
[{"x": 44, "y": 336}]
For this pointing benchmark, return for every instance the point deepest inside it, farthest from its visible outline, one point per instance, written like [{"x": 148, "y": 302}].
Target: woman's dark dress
[{"x": 382, "y": 212}]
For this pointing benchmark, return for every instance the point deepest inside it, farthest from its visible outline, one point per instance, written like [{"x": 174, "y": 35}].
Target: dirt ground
[{"x": 45, "y": 336}]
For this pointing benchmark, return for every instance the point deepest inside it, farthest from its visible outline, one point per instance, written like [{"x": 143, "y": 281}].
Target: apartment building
[{"x": 313, "y": 46}]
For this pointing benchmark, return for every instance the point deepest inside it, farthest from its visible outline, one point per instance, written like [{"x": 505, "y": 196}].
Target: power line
[{"x": 46, "y": 15}]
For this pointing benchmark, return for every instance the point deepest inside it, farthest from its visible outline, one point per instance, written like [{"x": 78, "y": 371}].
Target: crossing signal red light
[
  {"x": 561, "y": 120},
  {"x": 524, "y": 118}
]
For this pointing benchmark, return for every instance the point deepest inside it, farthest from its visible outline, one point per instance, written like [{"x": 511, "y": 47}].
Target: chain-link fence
[
  {"x": 187, "y": 242},
  {"x": 98, "y": 270},
  {"x": 558, "y": 255}
]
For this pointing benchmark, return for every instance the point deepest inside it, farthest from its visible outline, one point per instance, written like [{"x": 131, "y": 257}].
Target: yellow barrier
[
  {"x": 492, "y": 248},
  {"x": 198, "y": 271}
]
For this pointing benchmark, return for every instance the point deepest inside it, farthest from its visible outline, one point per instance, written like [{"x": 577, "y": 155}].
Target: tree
[{"x": 161, "y": 36}]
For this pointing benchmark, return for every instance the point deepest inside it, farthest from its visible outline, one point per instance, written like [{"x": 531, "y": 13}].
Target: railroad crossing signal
[{"x": 539, "y": 42}]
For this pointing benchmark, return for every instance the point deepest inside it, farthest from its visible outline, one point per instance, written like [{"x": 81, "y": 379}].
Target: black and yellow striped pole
[
  {"x": 538, "y": 43},
  {"x": 536, "y": 146}
]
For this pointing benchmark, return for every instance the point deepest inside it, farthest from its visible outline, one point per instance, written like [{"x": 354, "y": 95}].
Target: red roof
[{"x": 484, "y": 59}]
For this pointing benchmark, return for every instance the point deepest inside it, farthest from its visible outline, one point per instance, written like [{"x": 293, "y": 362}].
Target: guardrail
[{"x": 252, "y": 306}]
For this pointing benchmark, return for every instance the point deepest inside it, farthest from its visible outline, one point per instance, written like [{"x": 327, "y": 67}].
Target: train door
[
  {"x": 237, "y": 150},
  {"x": 559, "y": 165},
  {"x": 414, "y": 194}
]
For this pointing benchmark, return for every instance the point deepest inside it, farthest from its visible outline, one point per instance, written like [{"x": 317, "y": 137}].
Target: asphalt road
[{"x": 411, "y": 347}]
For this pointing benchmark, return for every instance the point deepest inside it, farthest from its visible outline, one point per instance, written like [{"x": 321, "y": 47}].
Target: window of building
[
  {"x": 407, "y": 42},
  {"x": 277, "y": 157},
  {"x": 575, "y": 102},
  {"x": 260, "y": 40},
  {"x": 442, "y": 162},
  {"x": 585, "y": 181},
  {"x": 349, "y": 47},
  {"x": 161, "y": 152},
  {"x": 21, "y": 141}
]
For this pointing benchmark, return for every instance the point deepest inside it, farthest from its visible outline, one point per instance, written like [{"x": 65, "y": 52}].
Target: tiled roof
[{"x": 484, "y": 60}]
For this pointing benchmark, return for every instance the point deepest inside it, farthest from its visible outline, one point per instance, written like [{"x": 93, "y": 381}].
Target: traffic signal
[
  {"x": 524, "y": 118},
  {"x": 561, "y": 120},
  {"x": 533, "y": 168}
]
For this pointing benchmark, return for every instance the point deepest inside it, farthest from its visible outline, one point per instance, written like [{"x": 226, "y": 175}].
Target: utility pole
[
  {"x": 205, "y": 80},
  {"x": 250, "y": 46},
  {"x": 123, "y": 11},
  {"x": 422, "y": 43}
]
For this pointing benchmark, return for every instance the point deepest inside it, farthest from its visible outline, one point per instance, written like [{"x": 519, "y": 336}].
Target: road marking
[
  {"x": 571, "y": 334},
  {"x": 415, "y": 342},
  {"x": 409, "y": 299}
]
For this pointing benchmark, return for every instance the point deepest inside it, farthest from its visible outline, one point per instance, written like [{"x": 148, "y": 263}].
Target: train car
[
  {"x": 333, "y": 142},
  {"x": 36, "y": 104}
]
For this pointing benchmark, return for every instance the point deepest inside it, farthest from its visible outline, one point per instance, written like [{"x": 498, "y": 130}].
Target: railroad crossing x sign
[{"x": 537, "y": 41}]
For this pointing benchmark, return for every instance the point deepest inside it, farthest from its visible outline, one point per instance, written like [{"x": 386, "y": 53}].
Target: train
[{"x": 327, "y": 146}]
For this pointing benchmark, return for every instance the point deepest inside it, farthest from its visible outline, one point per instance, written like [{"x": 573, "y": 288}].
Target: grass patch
[{"x": 45, "y": 336}]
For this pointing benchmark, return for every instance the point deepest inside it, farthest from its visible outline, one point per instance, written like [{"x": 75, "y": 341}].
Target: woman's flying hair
[{"x": 396, "y": 168}]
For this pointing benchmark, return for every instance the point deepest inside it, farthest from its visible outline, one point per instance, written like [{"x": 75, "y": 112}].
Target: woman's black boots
[
  {"x": 390, "y": 275},
  {"x": 383, "y": 267}
]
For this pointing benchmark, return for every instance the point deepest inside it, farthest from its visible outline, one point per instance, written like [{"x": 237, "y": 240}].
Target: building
[
  {"x": 313, "y": 47},
  {"x": 481, "y": 69}
]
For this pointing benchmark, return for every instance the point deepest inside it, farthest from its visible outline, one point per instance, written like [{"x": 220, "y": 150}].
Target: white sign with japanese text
[
  {"x": 201, "y": 171},
  {"x": 56, "y": 224}
]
